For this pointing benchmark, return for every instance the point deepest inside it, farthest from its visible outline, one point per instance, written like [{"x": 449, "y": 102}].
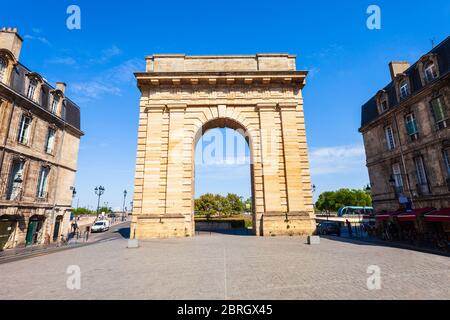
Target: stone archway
[
  {"x": 182, "y": 95},
  {"x": 225, "y": 122}
]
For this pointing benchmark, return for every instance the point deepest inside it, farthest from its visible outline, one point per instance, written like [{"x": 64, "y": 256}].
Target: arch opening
[{"x": 223, "y": 186}]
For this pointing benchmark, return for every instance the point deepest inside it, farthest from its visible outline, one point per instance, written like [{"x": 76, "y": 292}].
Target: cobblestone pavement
[{"x": 229, "y": 267}]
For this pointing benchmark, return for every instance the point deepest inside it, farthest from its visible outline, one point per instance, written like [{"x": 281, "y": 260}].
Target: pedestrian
[{"x": 349, "y": 227}]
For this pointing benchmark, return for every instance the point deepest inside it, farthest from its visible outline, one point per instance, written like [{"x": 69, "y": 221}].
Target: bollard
[
  {"x": 313, "y": 240},
  {"x": 133, "y": 244}
]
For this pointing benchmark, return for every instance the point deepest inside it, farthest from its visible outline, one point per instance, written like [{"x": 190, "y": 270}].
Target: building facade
[
  {"x": 39, "y": 140},
  {"x": 406, "y": 130},
  {"x": 260, "y": 96}
]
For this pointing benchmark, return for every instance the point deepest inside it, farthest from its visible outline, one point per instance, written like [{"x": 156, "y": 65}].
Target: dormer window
[
  {"x": 2, "y": 70},
  {"x": 404, "y": 89},
  {"x": 54, "y": 106},
  {"x": 31, "y": 89},
  {"x": 383, "y": 104},
  {"x": 430, "y": 72}
]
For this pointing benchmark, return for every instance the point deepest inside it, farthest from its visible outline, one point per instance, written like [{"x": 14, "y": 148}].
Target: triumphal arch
[{"x": 182, "y": 97}]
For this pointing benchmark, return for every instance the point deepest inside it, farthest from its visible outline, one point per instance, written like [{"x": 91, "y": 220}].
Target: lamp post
[
  {"x": 123, "y": 207},
  {"x": 99, "y": 191},
  {"x": 124, "y": 199}
]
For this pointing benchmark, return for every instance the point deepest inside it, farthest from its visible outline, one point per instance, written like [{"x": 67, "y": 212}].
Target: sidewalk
[
  {"x": 37, "y": 250},
  {"x": 364, "y": 238},
  {"x": 10, "y": 255}
]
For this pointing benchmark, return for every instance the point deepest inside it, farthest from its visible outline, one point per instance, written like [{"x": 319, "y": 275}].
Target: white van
[{"x": 100, "y": 226}]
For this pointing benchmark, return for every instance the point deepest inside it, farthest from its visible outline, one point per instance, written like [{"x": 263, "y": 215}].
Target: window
[
  {"x": 31, "y": 89},
  {"x": 446, "y": 153},
  {"x": 54, "y": 106},
  {"x": 390, "y": 138},
  {"x": 15, "y": 180},
  {"x": 440, "y": 116},
  {"x": 24, "y": 130},
  {"x": 42, "y": 183},
  {"x": 422, "y": 181},
  {"x": 411, "y": 127},
  {"x": 397, "y": 176},
  {"x": 404, "y": 89},
  {"x": 430, "y": 72},
  {"x": 383, "y": 104},
  {"x": 2, "y": 70},
  {"x": 50, "y": 141}
]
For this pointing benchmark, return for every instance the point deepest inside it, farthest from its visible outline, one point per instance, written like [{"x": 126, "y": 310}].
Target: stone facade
[
  {"x": 406, "y": 130},
  {"x": 182, "y": 97},
  {"x": 39, "y": 140}
]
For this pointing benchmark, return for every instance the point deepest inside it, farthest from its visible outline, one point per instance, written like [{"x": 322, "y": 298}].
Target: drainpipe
[{"x": 403, "y": 159}]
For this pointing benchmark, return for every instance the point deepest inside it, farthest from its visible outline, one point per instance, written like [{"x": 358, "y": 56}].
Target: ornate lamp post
[
  {"x": 124, "y": 199},
  {"x": 123, "y": 207},
  {"x": 99, "y": 191}
]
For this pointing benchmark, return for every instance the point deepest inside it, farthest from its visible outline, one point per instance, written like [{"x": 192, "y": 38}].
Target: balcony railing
[{"x": 42, "y": 197}]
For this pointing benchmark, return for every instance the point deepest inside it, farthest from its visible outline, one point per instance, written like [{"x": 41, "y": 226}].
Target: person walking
[{"x": 349, "y": 227}]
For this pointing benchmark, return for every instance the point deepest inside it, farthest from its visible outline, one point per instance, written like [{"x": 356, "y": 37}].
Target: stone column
[
  {"x": 146, "y": 203},
  {"x": 270, "y": 156},
  {"x": 178, "y": 192}
]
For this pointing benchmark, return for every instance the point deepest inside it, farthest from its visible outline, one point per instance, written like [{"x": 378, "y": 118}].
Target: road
[{"x": 118, "y": 231}]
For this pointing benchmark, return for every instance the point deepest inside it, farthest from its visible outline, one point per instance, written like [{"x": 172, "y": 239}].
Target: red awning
[
  {"x": 442, "y": 215},
  {"x": 385, "y": 216},
  {"x": 412, "y": 215}
]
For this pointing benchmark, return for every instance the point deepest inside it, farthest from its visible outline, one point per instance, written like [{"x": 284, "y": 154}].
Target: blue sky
[{"x": 347, "y": 64}]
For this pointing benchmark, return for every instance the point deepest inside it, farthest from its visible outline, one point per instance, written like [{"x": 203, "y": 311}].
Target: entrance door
[
  {"x": 56, "y": 229},
  {"x": 32, "y": 227}
]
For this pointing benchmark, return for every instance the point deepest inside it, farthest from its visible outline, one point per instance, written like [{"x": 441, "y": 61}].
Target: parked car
[
  {"x": 100, "y": 226},
  {"x": 329, "y": 228}
]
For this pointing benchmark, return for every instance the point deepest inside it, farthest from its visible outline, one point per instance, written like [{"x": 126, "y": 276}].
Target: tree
[
  {"x": 211, "y": 204},
  {"x": 334, "y": 200},
  {"x": 82, "y": 212}
]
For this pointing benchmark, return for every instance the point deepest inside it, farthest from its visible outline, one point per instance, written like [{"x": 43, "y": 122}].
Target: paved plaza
[{"x": 229, "y": 267}]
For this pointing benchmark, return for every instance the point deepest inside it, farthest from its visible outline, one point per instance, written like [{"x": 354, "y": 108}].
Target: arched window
[
  {"x": 404, "y": 89},
  {"x": 55, "y": 104},
  {"x": 430, "y": 72},
  {"x": 383, "y": 104},
  {"x": 31, "y": 89},
  {"x": 2, "y": 70}
]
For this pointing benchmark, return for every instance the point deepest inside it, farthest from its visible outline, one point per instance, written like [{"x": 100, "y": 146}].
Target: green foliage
[
  {"x": 105, "y": 210},
  {"x": 83, "y": 212},
  {"x": 215, "y": 204},
  {"x": 332, "y": 201}
]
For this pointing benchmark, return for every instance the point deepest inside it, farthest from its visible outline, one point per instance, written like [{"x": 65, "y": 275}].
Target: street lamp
[
  {"x": 124, "y": 199},
  {"x": 99, "y": 191}
]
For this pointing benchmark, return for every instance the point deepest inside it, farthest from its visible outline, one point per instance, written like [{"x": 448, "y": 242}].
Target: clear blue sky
[{"x": 347, "y": 64}]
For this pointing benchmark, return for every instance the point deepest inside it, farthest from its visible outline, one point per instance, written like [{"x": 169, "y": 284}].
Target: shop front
[{"x": 8, "y": 226}]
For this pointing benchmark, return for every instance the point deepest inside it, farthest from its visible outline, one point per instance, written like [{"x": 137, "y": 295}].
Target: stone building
[
  {"x": 260, "y": 96},
  {"x": 406, "y": 130},
  {"x": 39, "y": 140}
]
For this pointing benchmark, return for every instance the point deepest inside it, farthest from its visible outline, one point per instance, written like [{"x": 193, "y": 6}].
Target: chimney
[
  {"x": 397, "y": 67},
  {"x": 11, "y": 40},
  {"x": 61, "y": 86}
]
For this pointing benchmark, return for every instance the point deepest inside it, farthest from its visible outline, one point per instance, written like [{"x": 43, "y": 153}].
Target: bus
[{"x": 348, "y": 211}]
